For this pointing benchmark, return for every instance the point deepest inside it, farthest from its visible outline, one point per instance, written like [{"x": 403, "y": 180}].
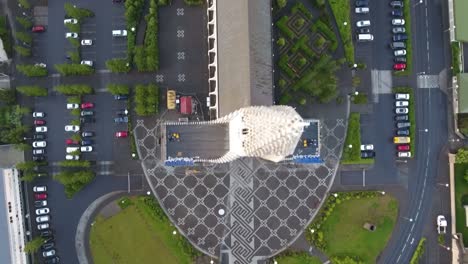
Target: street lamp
[
  {"x": 383, "y": 193},
  {"x": 335, "y": 194},
  {"x": 345, "y": 23},
  {"x": 350, "y": 146},
  {"x": 174, "y": 232}
]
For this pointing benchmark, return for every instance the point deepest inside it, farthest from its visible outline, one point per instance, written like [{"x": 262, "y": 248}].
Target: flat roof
[
  {"x": 463, "y": 93},
  {"x": 460, "y": 8},
  {"x": 245, "y": 76},
  {"x": 197, "y": 141}
]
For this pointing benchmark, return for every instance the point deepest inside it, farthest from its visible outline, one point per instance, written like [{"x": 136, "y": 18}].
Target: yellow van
[{"x": 401, "y": 140}]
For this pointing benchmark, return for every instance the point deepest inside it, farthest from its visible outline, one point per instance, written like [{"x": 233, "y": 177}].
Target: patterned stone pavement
[{"x": 267, "y": 205}]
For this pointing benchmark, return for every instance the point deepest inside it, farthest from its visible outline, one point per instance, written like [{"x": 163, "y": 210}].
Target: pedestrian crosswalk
[
  {"x": 428, "y": 81},
  {"x": 100, "y": 167}
]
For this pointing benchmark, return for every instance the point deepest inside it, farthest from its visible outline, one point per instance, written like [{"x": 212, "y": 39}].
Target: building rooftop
[
  {"x": 460, "y": 8},
  {"x": 245, "y": 75}
]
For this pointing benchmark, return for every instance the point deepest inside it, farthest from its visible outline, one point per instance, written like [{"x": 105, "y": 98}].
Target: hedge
[
  {"x": 418, "y": 253},
  {"x": 118, "y": 89},
  {"x": 283, "y": 64},
  {"x": 74, "y": 89},
  {"x": 353, "y": 138},
  {"x": 325, "y": 30},
  {"x": 22, "y": 51},
  {"x": 147, "y": 56},
  {"x": 455, "y": 58},
  {"x": 300, "y": 7},
  {"x": 146, "y": 99},
  {"x": 282, "y": 25},
  {"x": 118, "y": 65},
  {"x": 302, "y": 44},
  {"x": 31, "y": 70},
  {"x": 24, "y": 22},
  {"x": 74, "y": 69},
  {"x": 32, "y": 90},
  {"x": 75, "y": 163}
]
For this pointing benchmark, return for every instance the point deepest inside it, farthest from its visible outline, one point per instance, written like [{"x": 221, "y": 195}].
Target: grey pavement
[{"x": 5, "y": 245}]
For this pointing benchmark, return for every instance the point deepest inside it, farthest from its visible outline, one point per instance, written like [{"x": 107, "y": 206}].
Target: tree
[
  {"x": 24, "y": 37},
  {"x": 33, "y": 246},
  {"x": 74, "y": 69},
  {"x": 77, "y": 12},
  {"x": 8, "y": 96},
  {"x": 74, "y": 56},
  {"x": 74, "y": 89},
  {"x": 22, "y": 51},
  {"x": 13, "y": 135},
  {"x": 29, "y": 165},
  {"x": 75, "y": 163},
  {"x": 32, "y": 90},
  {"x": 281, "y": 3},
  {"x": 24, "y": 22},
  {"x": 29, "y": 176},
  {"x": 462, "y": 156},
  {"x": 281, "y": 42},
  {"x": 117, "y": 89},
  {"x": 24, "y": 4},
  {"x": 74, "y": 42},
  {"x": 118, "y": 65},
  {"x": 74, "y": 181},
  {"x": 32, "y": 70}
]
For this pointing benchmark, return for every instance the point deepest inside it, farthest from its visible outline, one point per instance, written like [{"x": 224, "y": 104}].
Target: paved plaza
[{"x": 267, "y": 205}]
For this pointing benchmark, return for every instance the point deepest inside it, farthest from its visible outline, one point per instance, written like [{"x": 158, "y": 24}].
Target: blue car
[
  {"x": 120, "y": 97},
  {"x": 121, "y": 119},
  {"x": 86, "y": 142}
]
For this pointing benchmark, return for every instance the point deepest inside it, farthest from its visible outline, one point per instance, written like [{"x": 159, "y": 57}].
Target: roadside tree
[
  {"x": 32, "y": 90},
  {"x": 34, "y": 245}
]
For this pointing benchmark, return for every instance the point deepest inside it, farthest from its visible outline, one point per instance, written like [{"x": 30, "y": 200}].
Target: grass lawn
[
  {"x": 353, "y": 137},
  {"x": 461, "y": 188},
  {"x": 303, "y": 258},
  {"x": 341, "y": 11},
  {"x": 133, "y": 236},
  {"x": 343, "y": 231}
]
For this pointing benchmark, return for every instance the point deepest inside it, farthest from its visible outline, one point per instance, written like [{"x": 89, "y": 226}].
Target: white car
[
  {"x": 441, "y": 224},
  {"x": 401, "y": 103},
  {"x": 363, "y": 23},
  {"x": 72, "y": 157},
  {"x": 39, "y": 189},
  {"x": 401, "y": 111},
  {"x": 38, "y": 114},
  {"x": 402, "y": 96},
  {"x": 71, "y": 35},
  {"x": 119, "y": 33},
  {"x": 70, "y": 21},
  {"x": 367, "y": 147},
  {"x": 38, "y": 151},
  {"x": 71, "y": 128},
  {"x": 41, "y": 129},
  {"x": 398, "y": 22},
  {"x": 72, "y": 149},
  {"x": 39, "y": 144},
  {"x": 405, "y": 154},
  {"x": 86, "y": 42},
  {"x": 87, "y": 62},
  {"x": 86, "y": 148},
  {"x": 43, "y": 226},
  {"x": 42, "y": 211},
  {"x": 401, "y": 52},
  {"x": 42, "y": 219},
  {"x": 48, "y": 253},
  {"x": 40, "y": 64},
  {"x": 73, "y": 106},
  {"x": 361, "y": 10}
]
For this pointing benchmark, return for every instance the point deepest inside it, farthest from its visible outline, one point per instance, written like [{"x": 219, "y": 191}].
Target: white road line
[
  {"x": 412, "y": 241},
  {"x": 398, "y": 259},
  {"x": 412, "y": 227}
]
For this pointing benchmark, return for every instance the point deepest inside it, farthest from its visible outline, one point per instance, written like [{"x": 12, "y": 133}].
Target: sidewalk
[{"x": 455, "y": 251}]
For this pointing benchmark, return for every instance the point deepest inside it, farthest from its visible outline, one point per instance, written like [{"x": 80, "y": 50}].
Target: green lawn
[
  {"x": 300, "y": 258},
  {"x": 341, "y": 12},
  {"x": 353, "y": 137},
  {"x": 343, "y": 231},
  {"x": 461, "y": 188},
  {"x": 133, "y": 236}
]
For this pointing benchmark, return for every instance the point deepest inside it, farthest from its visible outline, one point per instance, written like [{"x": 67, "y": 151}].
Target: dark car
[
  {"x": 402, "y": 132},
  {"x": 399, "y": 59},
  {"x": 362, "y": 3},
  {"x": 120, "y": 97},
  {"x": 46, "y": 233},
  {"x": 86, "y": 142},
  {"x": 403, "y": 125},
  {"x": 401, "y": 118},
  {"x": 87, "y": 113},
  {"x": 38, "y": 204},
  {"x": 400, "y": 37},
  {"x": 87, "y": 119},
  {"x": 38, "y": 158},
  {"x": 87, "y": 134},
  {"x": 367, "y": 154},
  {"x": 53, "y": 260},
  {"x": 121, "y": 119},
  {"x": 42, "y": 174},
  {"x": 122, "y": 112},
  {"x": 396, "y": 4},
  {"x": 363, "y": 31},
  {"x": 47, "y": 246},
  {"x": 48, "y": 239},
  {"x": 39, "y": 136},
  {"x": 397, "y": 13}
]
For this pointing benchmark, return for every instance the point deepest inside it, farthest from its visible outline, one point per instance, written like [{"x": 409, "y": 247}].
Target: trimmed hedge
[
  {"x": 74, "y": 69},
  {"x": 31, "y": 70},
  {"x": 74, "y": 89},
  {"x": 353, "y": 138},
  {"x": 283, "y": 64},
  {"x": 418, "y": 253},
  {"x": 118, "y": 89},
  {"x": 282, "y": 25},
  {"x": 147, "y": 56},
  {"x": 300, "y": 7},
  {"x": 146, "y": 99},
  {"x": 32, "y": 90},
  {"x": 323, "y": 28},
  {"x": 302, "y": 44},
  {"x": 455, "y": 58},
  {"x": 118, "y": 65}
]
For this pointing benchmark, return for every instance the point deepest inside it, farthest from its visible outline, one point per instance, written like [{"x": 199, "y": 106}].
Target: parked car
[
  {"x": 441, "y": 224},
  {"x": 122, "y": 112},
  {"x": 401, "y": 118},
  {"x": 398, "y": 44},
  {"x": 53, "y": 260},
  {"x": 87, "y": 134},
  {"x": 71, "y": 35},
  {"x": 87, "y": 119},
  {"x": 40, "y": 203},
  {"x": 42, "y": 219},
  {"x": 402, "y": 96},
  {"x": 86, "y": 42},
  {"x": 403, "y": 125},
  {"x": 38, "y": 158},
  {"x": 87, "y": 62},
  {"x": 400, "y": 37},
  {"x": 39, "y": 144},
  {"x": 367, "y": 147},
  {"x": 86, "y": 142},
  {"x": 47, "y": 246},
  {"x": 38, "y": 151},
  {"x": 42, "y": 174},
  {"x": 399, "y": 59},
  {"x": 72, "y": 106},
  {"x": 42, "y": 211},
  {"x": 38, "y": 29},
  {"x": 361, "y": 10},
  {"x": 401, "y": 103},
  {"x": 86, "y": 148},
  {"x": 399, "y": 66},
  {"x": 38, "y": 114},
  {"x": 46, "y": 234},
  {"x": 367, "y": 154},
  {"x": 43, "y": 226},
  {"x": 396, "y": 4},
  {"x": 72, "y": 157},
  {"x": 397, "y": 30},
  {"x": 40, "y": 188},
  {"x": 397, "y": 13},
  {"x": 72, "y": 128},
  {"x": 363, "y": 23},
  {"x": 70, "y": 21},
  {"x": 400, "y": 52},
  {"x": 39, "y": 136},
  {"x": 398, "y": 22},
  {"x": 87, "y": 113},
  {"x": 121, "y": 119},
  {"x": 71, "y": 149},
  {"x": 87, "y": 105},
  {"x": 363, "y": 31},
  {"x": 119, "y": 33},
  {"x": 405, "y": 154},
  {"x": 120, "y": 97},
  {"x": 39, "y": 122},
  {"x": 70, "y": 141},
  {"x": 49, "y": 253},
  {"x": 404, "y": 147},
  {"x": 40, "y": 196},
  {"x": 121, "y": 134},
  {"x": 401, "y": 111},
  {"x": 41, "y": 129},
  {"x": 361, "y": 3}
]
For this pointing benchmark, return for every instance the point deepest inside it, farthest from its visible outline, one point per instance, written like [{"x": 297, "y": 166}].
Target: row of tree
[{"x": 146, "y": 99}]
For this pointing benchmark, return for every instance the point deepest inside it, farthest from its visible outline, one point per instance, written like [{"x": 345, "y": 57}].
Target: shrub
[
  {"x": 341, "y": 12},
  {"x": 455, "y": 57},
  {"x": 356, "y": 81},
  {"x": 418, "y": 253},
  {"x": 281, "y": 3},
  {"x": 285, "y": 99},
  {"x": 76, "y": 12},
  {"x": 353, "y": 139},
  {"x": 284, "y": 66},
  {"x": 302, "y": 44},
  {"x": 73, "y": 27},
  {"x": 281, "y": 42},
  {"x": 325, "y": 30},
  {"x": 194, "y": 2},
  {"x": 118, "y": 89},
  {"x": 146, "y": 99},
  {"x": 74, "y": 181},
  {"x": 359, "y": 98},
  {"x": 302, "y": 62},
  {"x": 24, "y": 22},
  {"x": 462, "y": 120},
  {"x": 24, "y": 4},
  {"x": 75, "y": 163},
  {"x": 282, "y": 25},
  {"x": 300, "y": 22},
  {"x": 74, "y": 89},
  {"x": 74, "y": 56},
  {"x": 149, "y": 56},
  {"x": 118, "y": 65},
  {"x": 282, "y": 83},
  {"x": 32, "y": 90},
  {"x": 24, "y": 37},
  {"x": 300, "y": 7},
  {"x": 74, "y": 100},
  {"x": 75, "y": 112},
  {"x": 320, "y": 3},
  {"x": 74, "y": 69},
  {"x": 462, "y": 155},
  {"x": 74, "y": 42},
  {"x": 31, "y": 70},
  {"x": 22, "y": 51},
  {"x": 302, "y": 101},
  {"x": 124, "y": 202}
]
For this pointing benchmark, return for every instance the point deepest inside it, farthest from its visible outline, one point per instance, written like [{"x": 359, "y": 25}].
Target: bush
[
  {"x": 353, "y": 139},
  {"x": 116, "y": 89},
  {"x": 462, "y": 155},
  {"x": 300, "y": 22},
  {"x": 74, "y": 100},
  {"x": 118, "y": 65},
  {"x": 74, "y": 69},
  {"x": 462, "y": 120},
  {"x": 147, "y": 56},
  {"x": 5, "y": 35},
  {"x": 74, "y": 181},
  {"x": 146, "y": 99},
  {"x": 124, "y": 202},
  {"x": 418, "y": 253},
  {"x": 282, "y": 25},
  {"x": 75, "y": 163},
  {"x": 74, "y": 56},
  {"x": 24, "y": 37},
  {"x": 356, "y": 81},
  {"x": 359, "y": 98},
  {"x": 281, "y": 42},
  {"x": 24, "y": 22},
  {"x": 284, "y": 66},
  {"x": 281, "y": 3},
  {"x": 76, "y": 12},
  {"x": 302, "y": 61},
  {"x": 285, "y": 99},
  {"x": 341, "y": 11},
  {"x": 74, "y": 42},
  {"x": 325, "y": 30},
  {"x": 22, "y": 51},
  {"x": 75, "y": 112},
  {"x": 31, "y": 70},
  {"x": 73, "y": 27},
  {"x": 282, "y": 83},
  {"x": 302, "y": 44},
  {"x": 24, "y": 4},
  {"x": 74, "y": 89},
  {"x": 455, "y": 58},
  {"x": 300, "y": 7},
  {"x": 194, "y": 2},
  {"x": 32, "y": 90}
]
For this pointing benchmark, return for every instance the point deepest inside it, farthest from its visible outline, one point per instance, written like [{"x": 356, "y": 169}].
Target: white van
[
  {"x": 72, "y": 149},
  {"x": 119, "y": 33},
  {"x": 365, "y": 37}
]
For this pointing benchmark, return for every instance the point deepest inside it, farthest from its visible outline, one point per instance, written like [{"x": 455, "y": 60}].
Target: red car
[
  {"x": 87, "y": 105},
  {"x": 399, "y": 66},
  {"x": 38, "y": 29},
  {"x": 403, "y": 147},
  {"x": 40, "y": 196},
  {"x": 39, "y": 122},
  {"x": 70, "y": 141},
  {"x": 121, "y": 134}
]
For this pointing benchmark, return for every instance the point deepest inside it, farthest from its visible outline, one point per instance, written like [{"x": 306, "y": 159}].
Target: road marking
[
  {"x": 412, "y": 241},
  {"x": 363, "y": 177},
  {"x": 412, "y": 227},
  {"x": 398, "y": 259}
]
